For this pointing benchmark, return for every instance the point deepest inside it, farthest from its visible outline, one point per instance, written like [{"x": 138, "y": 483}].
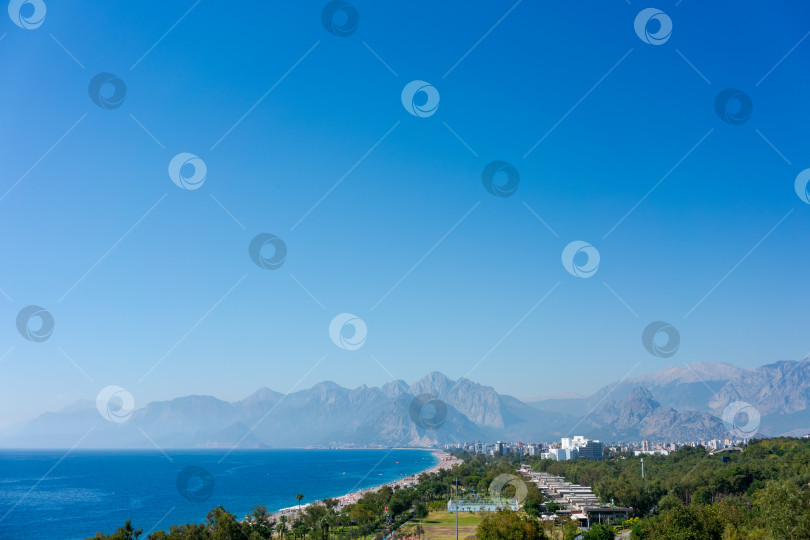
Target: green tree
[
  {"x": 312, "y": 514},
  {"x": 298, "y": 498},
  {"x": 420, "y": 510},
  {"x": 260, "y": 522},
  {"x": 222, "y": 525},
  {"x": 599, "y": 532},
  {"x": 483, "y": 485},
  {"x": 570, "y": 530},
  {"x": 360, "y": 513},
  {"x": 532, "y": 507},
  {"x": 702, "y": 495},
  {"x": 784, "y": 508},
  {"x": 669, "y": 502},
  {"x": 282, "y": 526},
  {"x": 123, "y": 533},
  {"x": 299, "y": 528},
  {"x": 325, "y": 523},
  {"x": 508, "y": 525},
  {"x": 397, "y": 505}
]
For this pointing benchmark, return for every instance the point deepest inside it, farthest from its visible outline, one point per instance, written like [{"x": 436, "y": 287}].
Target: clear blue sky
[{"x": 126, "y": 285}]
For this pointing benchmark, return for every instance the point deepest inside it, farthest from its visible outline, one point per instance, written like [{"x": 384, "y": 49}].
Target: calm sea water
[{"x": 90, "y": 491}]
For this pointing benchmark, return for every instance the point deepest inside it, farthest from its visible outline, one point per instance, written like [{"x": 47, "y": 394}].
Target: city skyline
[{"x": 196, "y": 196}]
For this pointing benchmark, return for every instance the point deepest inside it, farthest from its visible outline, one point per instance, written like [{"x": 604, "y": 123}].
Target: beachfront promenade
[{"x": 446, "y": 461}]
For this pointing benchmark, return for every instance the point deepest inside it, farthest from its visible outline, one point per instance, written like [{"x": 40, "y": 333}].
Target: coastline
[{"x": 445, "y": 461}]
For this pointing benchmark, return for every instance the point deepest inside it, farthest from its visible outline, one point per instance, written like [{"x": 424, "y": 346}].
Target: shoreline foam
[{"x": 446, "y": 461}]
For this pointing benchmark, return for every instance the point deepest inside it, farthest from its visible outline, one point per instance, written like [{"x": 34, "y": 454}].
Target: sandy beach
[{"x": 446, "y": 461}]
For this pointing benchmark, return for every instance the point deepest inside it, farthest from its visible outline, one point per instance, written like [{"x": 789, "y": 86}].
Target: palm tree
[
  {"x": 298, "y": 498},
  {"x": 325, "y": 523},
  {"x": 282, "y": 526}
]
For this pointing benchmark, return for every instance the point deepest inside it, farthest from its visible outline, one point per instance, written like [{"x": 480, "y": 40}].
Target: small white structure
[{"x": 481, "y": 505}]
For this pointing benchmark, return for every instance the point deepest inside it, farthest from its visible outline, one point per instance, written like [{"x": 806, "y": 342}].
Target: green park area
[{"x": 442, "y": 526}]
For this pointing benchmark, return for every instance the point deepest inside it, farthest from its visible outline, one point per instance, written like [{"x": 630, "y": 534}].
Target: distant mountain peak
[
  {"x": 640, "y": 393},
  {"x": 259, "y": 398},
  {"x": 433, "y": 383},
  {"x": 676, "y": 403},
  {"x": 328, "y": 385},
  {"x": 639, "y": 416},
  {"x": 437, "y": 377},
  {"x": 689, "y": 373},
  {"x": 78, "y": 405}
]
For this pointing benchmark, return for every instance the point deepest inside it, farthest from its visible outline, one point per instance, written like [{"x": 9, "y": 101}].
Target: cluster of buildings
[
  {"x": 582, "y": 447},
  {"x": 498, "y": 448},
  {"x": 573, "y": 500},
  {"x": 664, "y": 448},
  {"x": 568, "y": 448},
  {"x": 569, "y": 500},
  {"x": 574, "y": 448}
]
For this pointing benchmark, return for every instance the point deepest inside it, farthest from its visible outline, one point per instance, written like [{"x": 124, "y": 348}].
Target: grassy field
[{"x": 442, "y": 526}]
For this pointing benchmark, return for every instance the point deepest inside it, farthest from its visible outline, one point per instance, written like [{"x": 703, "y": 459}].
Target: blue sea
[{"x": 43, "y": 496}]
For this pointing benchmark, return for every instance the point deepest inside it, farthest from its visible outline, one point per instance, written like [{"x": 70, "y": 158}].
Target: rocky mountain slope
[
  {"x": 678, "y": 403},
  {"x": 780, "y": 392}
]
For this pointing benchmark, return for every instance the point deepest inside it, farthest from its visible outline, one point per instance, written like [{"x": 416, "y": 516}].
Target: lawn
[{"x": 442, "y": 526}]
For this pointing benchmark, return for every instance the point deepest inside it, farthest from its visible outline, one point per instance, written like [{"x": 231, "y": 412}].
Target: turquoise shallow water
[{"x": 90, "y": 491}]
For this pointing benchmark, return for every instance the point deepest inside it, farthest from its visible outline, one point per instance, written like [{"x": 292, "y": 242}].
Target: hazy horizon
[
  {"x": 92, "y": 399},
  {"x": 563, "y": 394}
]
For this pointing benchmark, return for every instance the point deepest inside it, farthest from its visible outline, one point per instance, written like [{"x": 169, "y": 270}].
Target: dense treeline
[
  {"x": 365, "y": 518},
  {"x": 759, "y": 493}
]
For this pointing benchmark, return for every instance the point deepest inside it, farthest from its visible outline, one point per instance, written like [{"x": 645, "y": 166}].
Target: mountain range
[{"x": 680, "y": 403}]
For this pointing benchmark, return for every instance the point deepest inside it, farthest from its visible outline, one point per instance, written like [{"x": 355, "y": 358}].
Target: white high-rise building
[
  {"x": 578, "y": 441},
  {"x": 559, "y": 454},
  {"x": 576, "y": 447}
]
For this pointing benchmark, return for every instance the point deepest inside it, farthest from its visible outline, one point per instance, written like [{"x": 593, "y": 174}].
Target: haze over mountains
[{"x": 679, "y": 403}]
